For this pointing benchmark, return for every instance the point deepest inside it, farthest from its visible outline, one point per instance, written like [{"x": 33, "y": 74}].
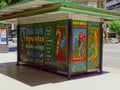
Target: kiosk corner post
[
  {"x": 101, "y": 49},
  {"x": 69, "y": 47},
  {"x": 87, "y": 48},
  {"x": 18, "y": 44},
  {"x": 7, "y": 35}
]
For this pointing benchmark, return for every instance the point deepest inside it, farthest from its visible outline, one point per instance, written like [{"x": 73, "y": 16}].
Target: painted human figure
[{"x": 81, "y": 37}]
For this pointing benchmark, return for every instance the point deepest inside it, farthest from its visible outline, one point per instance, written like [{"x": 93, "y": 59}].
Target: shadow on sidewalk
[{"x": 34, "y": 77}]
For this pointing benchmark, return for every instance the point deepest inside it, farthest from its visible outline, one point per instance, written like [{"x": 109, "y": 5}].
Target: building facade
[
  {"x": 94, "y": 3},
  {"x": 112, "y": 5}
]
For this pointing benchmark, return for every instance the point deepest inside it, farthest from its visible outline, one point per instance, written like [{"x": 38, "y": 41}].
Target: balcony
[{"x": 113, "y": 2}]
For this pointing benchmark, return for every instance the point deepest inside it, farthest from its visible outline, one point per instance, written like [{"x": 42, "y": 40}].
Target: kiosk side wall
[
  {"x": 45, "y": 44},
  {"x": 86, "y": 46}
]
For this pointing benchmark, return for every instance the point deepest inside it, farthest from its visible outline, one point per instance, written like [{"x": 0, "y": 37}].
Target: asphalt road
[{"x": 111, "y": 55}]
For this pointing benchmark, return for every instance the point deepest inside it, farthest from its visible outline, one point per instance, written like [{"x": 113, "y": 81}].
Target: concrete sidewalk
[{"x": 14, "y": 77}]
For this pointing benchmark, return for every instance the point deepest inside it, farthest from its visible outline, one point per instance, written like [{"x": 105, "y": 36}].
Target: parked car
[
  {"x": 10, "y": 38},
  {"x": 14, "y": 39},
  {"x": 114, "y": 40}
]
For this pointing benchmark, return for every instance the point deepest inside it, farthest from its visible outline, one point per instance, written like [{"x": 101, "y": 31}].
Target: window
[{"x": 108, "y": 0}]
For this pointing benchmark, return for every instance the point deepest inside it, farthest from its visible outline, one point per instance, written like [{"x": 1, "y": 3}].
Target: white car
[
  {"x": 10, "y": 38},
  {"x": 14, "y": 39},
  {"x": 114, "y": 40}
]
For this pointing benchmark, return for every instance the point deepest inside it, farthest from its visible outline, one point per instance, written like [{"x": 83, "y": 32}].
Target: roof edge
[{"x": 87, "y": 8}]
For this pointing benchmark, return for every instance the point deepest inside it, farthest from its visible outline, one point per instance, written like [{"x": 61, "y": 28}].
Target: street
[
  {"x": 111, "y": 56},
  {"x": 26, "y": 78}
]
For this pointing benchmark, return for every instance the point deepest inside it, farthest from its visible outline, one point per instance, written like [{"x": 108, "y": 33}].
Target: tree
[
  {"x": 13, "y": 1},
  {"x": 3, "y": 3},
  {"x": 114, "y": 26},
  {"x": 3, "y": 25}
]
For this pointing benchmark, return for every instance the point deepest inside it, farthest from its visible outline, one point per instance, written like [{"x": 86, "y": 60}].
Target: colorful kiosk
[{"x": 60, "y": 36}]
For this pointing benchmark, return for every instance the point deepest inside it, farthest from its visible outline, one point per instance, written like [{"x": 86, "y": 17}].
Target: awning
[
  {"x": 23, "y": 6},
  {"x": 105, "y": 16},
  {"x": 85, "y": 7},
  {"x": 35, "y": 7}
]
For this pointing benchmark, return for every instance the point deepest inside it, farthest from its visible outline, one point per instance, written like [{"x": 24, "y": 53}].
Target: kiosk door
[
  {"x": 93, "y": 46},
  {"x": 79, "y": 50}
]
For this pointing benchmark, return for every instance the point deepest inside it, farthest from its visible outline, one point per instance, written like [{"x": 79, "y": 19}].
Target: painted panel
[
  {"x": 79, "y": 43},
  {"x": 22, "y": 41},
  {"x": 27, "y": 43},
  {"x": 56, "y": 45},
  {"x": 29, "y": 39},
  {"x": 61, "y": 41},
  {"x": 49, "y": 28},
  {"x": 45, "y": 44},
  {"x": 39, "y": 44},
  {"x": 79, "y": 39},
  {"x": 93, "y": 45}
]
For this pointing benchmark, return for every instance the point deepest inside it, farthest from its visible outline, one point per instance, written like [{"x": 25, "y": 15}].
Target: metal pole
[
  {"x": 101, "y": 49},
  {"x": 18, "y": 44},
  {"x": 69, "y": 47}
]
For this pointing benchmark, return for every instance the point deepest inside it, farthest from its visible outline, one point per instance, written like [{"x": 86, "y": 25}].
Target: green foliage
[
  {"x": 4, "y": 3},
  {"x": 114, "y": 26},
  {"x": 13, "y": 1},
  {"x": 3, "y": 25}
]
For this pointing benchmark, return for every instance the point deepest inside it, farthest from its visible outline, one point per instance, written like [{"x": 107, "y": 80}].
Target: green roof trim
[
  {"x": 88, "y": 13},
  {"x": 87, "y": 8}
]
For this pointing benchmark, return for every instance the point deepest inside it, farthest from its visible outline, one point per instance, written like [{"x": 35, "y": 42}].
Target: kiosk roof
[{"x": 35, "y": 7}]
